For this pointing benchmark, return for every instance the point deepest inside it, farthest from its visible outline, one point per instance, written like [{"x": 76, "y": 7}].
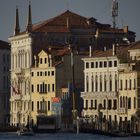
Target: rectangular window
[
  {"x": 48, "y": 73},
  {"x": 109, "y": 104},
  {"x": 87, "y": 65},
  {"x": 101, "y": 64},
  {"x": 38, "y": 88},
  {"x": 52, "y": 73},
  {"x": 110, "y": 63},
  {"x": 95, "y": 104},
  {"x": 91, "y": 104},
  {"x": 52, "y": 87},
  {"x": 48, "y": 87},
  {"x": 134, "y": 83},
  {"x": 92, "y": 64},
  {"x": 41, "y": 88},
  {"x": 45, "y": 73},
  {"x": 40, "y": 60},
  {"x": 32, "y": 88},
  {"x": 129, "y": 103},
  {"x": 105, "y": 64},
  {"x": 32, "y": 73},
  {"x": 48, "y": 105},
  {"x": 114, "y": 104},
  {"x": 45, "y": 88},
  {"x": 130, "y": 85},
  {"x": 40, "y": 73},
  {"x": 32, "y": 106},
  {"x": 110, "y": 85},
  {"x": 45, "y": 60},
  {"x": 104, "y": 104},
  {"x": 96, "y": 64},
  {"x": 105, "y": 83},
  {"x": 115, "y": 63},
  {"x": 37, "y": 105},
  {"x": 37, "y": 73}
]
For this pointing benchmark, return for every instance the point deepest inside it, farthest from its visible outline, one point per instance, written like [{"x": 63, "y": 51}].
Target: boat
[
  {"x": 47, "y": 124},
  {"x": 119, "y": 134},
  {"x": 25, "y": 132}
]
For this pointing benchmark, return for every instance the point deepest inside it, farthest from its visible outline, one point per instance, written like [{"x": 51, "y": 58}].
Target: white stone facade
[
  {"x": 101, "y": 86},
  {"x": 111, "y": 88},
  {"x": 21, "y": 55}
]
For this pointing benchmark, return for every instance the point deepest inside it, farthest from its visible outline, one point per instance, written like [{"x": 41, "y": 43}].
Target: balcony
[
  {"x": 18, "y": 97},
  {"x": 42, "y": 112},
  {"x": 110, "y": 94},
  {"x": 122, "y": 111}
]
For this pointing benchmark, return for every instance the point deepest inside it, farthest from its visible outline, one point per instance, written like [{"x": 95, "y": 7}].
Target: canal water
[{"x": 63, "y": 136}]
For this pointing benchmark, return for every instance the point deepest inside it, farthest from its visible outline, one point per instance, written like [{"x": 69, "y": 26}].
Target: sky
[{"x": 44, "y": 9}]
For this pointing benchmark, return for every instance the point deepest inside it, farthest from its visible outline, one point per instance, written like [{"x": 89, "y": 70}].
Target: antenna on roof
[{"x": 114, "y": 12}]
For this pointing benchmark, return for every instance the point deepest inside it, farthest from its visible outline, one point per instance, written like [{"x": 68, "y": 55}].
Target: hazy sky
[{"x": 129, "y": 12}]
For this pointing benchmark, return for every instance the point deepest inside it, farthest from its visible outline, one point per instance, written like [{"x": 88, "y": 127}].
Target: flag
[{"x": 16, "y": 90}]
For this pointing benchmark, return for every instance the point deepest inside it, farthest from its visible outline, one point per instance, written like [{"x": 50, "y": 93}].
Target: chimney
[
  {"x": 50, "y": 60},
  {"x": 90, "y": 51},
  {"x": 35, "y": 61},
  {"x": 67, "y": 22},
  {"x": 113, "y": 50},
  {"x": 104, "y": 48},
  {"x": 125, "y": 29}
]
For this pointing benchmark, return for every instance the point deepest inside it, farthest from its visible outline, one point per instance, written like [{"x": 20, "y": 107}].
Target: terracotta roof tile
[
  {"x": 58, "y": 63},
  {"x": 60, "y": 21},
  {"x": 135, "y": 45}
]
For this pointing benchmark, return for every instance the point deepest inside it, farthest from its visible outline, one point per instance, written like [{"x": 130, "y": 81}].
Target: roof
[
  {"x": 59, "y": 23},
  {"x": 121, "y": 53},
  {"x": 135, "y": 45},
  {"x": 4, "y": 45},
  {"x": 63, "y": 51}
]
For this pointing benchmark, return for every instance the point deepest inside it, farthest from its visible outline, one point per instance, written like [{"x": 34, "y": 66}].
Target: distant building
[
  {"x": 50, "y": 76},
  {"x": 66, "y": 28},
  {"x": 112, "y": 88},
  {"x": 5, "y": 84}
]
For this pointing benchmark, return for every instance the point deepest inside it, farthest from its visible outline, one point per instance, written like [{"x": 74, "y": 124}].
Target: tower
[
  {"x": 114, "y": 12},
  {"x": 29, "y": 19},
  {"x": 17, "y": 28}
]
